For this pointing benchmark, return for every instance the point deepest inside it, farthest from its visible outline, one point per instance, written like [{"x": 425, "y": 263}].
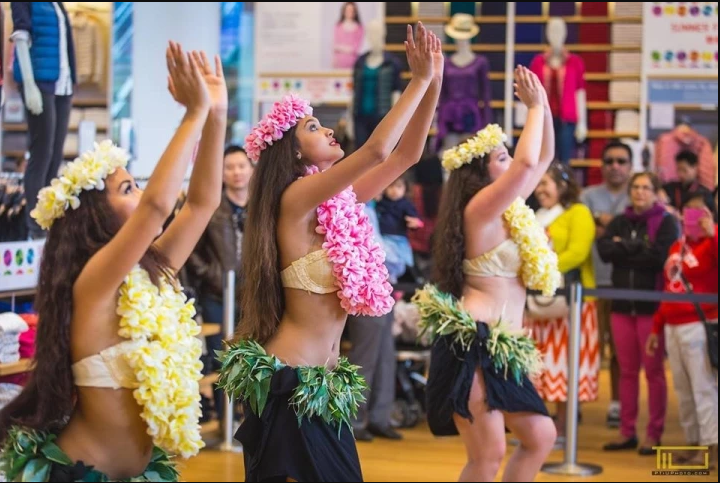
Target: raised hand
[
  {"x": 215, "y": 81},
  {"x": 707, "y": 224},
  {"x": 419, "y": 54},
  {"x": 438, "y": 59},
  {"x": 185, "y": 82},
  {"x": 528, "y": 87}
]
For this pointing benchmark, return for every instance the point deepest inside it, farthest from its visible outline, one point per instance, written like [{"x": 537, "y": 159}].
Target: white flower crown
[
  {"x": 88, "y": 172},
  {"x": 487, "y": 139}
]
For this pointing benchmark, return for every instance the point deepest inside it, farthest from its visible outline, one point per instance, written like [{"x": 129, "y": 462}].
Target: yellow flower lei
[
  {"x": 487, "y": 139},
  {"x": 540, "y": 263},
  {"x": 166, "y": 360}
]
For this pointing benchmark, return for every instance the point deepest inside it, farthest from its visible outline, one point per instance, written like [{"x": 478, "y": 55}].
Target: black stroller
[{"x": 413, "y": 358}]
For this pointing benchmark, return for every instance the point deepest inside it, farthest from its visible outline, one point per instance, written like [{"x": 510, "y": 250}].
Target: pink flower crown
[{"x": 283, "y": 116}]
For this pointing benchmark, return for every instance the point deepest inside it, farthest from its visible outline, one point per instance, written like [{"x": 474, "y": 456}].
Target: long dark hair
[
  {"x": 47, "y": 400},
  {"x": 449, "y": 243},
  {"x": 355, "y": 9},
  {"x": 262, "y": 300}
]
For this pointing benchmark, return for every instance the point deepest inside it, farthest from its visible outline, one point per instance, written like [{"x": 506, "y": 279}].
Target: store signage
[
  {"x": 680, "y": 38},
  {"x": 310, "y": 48},
  {"x": 683, "y": 91},
  {"x": 20, "y": 264}
]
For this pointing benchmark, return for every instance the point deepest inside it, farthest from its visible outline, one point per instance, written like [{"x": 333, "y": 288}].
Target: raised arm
[
  {"x": 205, "y": 188},
  {"x": 303, "y": 196},
  {"x": 413, "y": 140},
  {"x": 106, "y": 270},
  {"x": 492, "y": 201},
  {"x": 547, "y": 150}
]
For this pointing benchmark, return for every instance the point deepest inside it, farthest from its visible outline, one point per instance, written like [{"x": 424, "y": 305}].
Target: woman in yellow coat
[{"x": 571, "y": 229}]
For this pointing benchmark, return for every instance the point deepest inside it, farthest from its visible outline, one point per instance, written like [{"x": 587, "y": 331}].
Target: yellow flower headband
[
  {"x": 489, "y": 138},
  {"x": 87, "y": 172}
]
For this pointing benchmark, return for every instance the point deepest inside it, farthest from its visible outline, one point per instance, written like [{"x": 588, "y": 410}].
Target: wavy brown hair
[
  {"x": 262, "y": 300},
  {"x": 567, "y": 185},
  {"x": 47, "y": 401},
  {"x": 449, "y": 243}
]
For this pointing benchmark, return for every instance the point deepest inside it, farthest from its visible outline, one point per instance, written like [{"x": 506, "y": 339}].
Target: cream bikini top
[
  {"x": 502, "y": 261},
  {"x": 109, "y": 368},
  {"x": 313, "y": 273}
]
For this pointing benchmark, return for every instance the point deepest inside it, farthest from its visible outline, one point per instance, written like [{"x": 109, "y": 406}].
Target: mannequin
[
  {"x": 563, "y": 75},
  {"x": 44, "y": 70},
  {"x": 466, "y": 86},
  {"x": 377, "y": 85}
]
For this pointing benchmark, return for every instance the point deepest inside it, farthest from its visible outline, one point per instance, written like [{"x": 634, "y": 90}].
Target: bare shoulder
[
  {"x": 482, "y": 235},
  {"x": 94, "y": 325},
  {"x": 296, "y": 236}
]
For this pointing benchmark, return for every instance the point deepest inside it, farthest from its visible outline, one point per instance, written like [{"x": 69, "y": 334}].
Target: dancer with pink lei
[
  {"x": 310, "y": 259},
  {"x": 489, "y": 249}
]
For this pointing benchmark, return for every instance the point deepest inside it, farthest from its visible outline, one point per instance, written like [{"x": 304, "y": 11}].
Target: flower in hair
[
  {"x": 487, "y": 139},
  {"x": 87, "y": 172},
  {"x": 283, "y": 116}
]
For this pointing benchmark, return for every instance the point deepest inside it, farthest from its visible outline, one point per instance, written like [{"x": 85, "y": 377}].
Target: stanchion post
[
  {"x": 570, "y": 466},
  {"x": 228, "y": 443}
]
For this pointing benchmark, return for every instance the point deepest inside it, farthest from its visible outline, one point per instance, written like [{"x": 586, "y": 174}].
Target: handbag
[
  {"x": 711, "y": 327},
  {"x": 540, "y": 307}
]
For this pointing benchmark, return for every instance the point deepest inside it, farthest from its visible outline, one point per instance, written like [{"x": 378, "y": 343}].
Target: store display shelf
[
  {"x": 90, "y": 102},
  {"x": 589, "y": 76},
  {"x": 305, "y": 75},
  {"x": 611, "y": 106},
  {"x": 585, "y": 163},
  {"x": 22, "y": 127},
  {"x": 609, "y": 76},
  {"x": 600, "y": 134},
  {"x": 493, "y": 76},
  {"x": 16, "y": 153},
  {"x": 209, "y": 329}
]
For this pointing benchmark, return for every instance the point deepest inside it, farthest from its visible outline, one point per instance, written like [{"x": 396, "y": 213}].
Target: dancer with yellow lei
[
  {"x": 114, "y": 394},
  {"x": 488, "y": 251}
]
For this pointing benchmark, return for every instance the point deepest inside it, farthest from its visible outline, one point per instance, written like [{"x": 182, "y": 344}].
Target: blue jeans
[{"x": 564, "y": 140}]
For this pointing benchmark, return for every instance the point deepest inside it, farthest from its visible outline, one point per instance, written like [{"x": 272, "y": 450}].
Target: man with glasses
[{"x": 606, "y": 201}]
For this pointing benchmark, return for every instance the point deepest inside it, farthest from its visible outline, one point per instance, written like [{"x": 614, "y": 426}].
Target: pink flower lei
[{"x": 358, "y": 260}]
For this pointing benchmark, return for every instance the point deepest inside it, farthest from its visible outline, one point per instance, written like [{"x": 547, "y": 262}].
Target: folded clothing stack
[{"x": 11, "y": 326}]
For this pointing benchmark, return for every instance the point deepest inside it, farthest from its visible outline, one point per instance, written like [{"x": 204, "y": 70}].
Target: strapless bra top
[
  {"x": 502, "y": 261},
  {"x": 109, "y": 368},
  {"x": 312, "y": 273}
]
